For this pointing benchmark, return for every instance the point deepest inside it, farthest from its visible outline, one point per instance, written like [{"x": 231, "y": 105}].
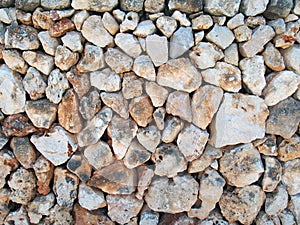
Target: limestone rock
[
  {"x": 105, "y": 80},
  {"x": 272, "y": 175},
  {"x": 18, "y": 217},
  {"x": 221, "y": 36},
  {"x": 149, "y": 137},
  {"x": 202, "y": 22},
  {"x": 130, "y": 22},
  {"x": 167, "y": 25},
  {"x": 236, "y": 21},
  {"x": 148, "y": 217},
  {"x": 34, "y": 84},
  {"x": 92, "y": 60},
  {"x": 172, "y": 195},
  {"x": 115, "y": 179},
  {"x": 273, "y": 59},
  {"x": 61, "y": 27},
  {"x": 290, "y": 171},
  {"x": 294, "y": 206},
  {"x": 14, "y": 61},
  {"x": 116, "y": 102},
  {"x": 220, "y": 8},
  {"x": 73, "y": 41},
  {"x": 145, "y": 175},
  {"x": 154, "y": 6},
  {"x": 136, "y": 155},
  {"x": 178, "y": 104},
  {"x": 144, "y": 29},
  {"x": 42, "y": 113},
  {"x": 267, "y": 145},
  {"x": 102, "y": 6},
  {"x": 54, "y": 4},
  {"x": 118, "y": 61},
  {"x": 181, "y": 41},
  {"x": 79, "y": 81},
  {"x": 141, "y": 110},
  {"x": 132, "y": 86},
  {"x": 276, "y": 201},
  {"x": 242, "y": 204},
  {"x": 173, "y": 126},
  {"x": 242, "y": 33},
  {"x": 129, "y": 44},
  {"x": 79, "y": 165},
  {"x": 169, "y": 161},
  {"x": 49, "y": 43},
  {"x": 8, "y": 163},
  {"x": 287, "y": 217},
  {"x": 159, "y": 116},
  {"x": 89, "y": 105},
  {"x": 181, "y": 18},
  {"x": 189, "y": 6},
  {"x": 278, "y": 9},
  {"x": 249, "y": 113},
  {"x": 42, "y": 62},
  {"x": 291, "y": 56},
  {"x": 64, "y": 58},
  {"x": 17, "y": 125},
  {"x": 43, "y": 170},
  {"x": 153, "y": 43},
  {"x": 289, "y": 149},
  {"x": 42, "y": 19},
  {"x": 144, "y": 67},
  {"x": 157, "y": 94},
  {"x": 253, "y": 7},
  {"x": 59, "y": 215},
  {"x": 90, "y": 198},
  {"x": 110, "y": 24}
]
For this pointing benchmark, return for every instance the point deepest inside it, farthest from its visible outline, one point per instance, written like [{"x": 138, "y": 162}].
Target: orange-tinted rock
[
  {"x": 80, "y": 82},
  {"x": 44, "y": 172},
  {"x": 141, "y": 110},
  {"x": 17, "y": 125},
  {"x": 61, "y": 27}
]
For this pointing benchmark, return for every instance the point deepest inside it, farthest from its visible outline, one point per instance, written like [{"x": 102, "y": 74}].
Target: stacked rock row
[{"x": 149, "y": 112}]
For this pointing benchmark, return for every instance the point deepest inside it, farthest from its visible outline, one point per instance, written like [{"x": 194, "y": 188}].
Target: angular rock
[
  {"x": 94, "y": 31},
  {"x": 205, "y": 55},
  {"x": 49, "y": 43},
  {"x": 287, "y": 217},
  {"x": 91, "y": 5},
  {"x": 42, "y": 113},
  {"x": 64, "y": 58},
  {"x": 291, "y": 56},
  {"x": 8, "y": 163},
  {"x": 167, "y": 25},
  {"x": 145, "y": 175},
  {"x": 242, "y": 33},
  {"x": 99, "y": 155},
  {"x": 129, "y": 44},
  {"x": 273, "y": 59},
  {"x": 73, "y": 40},
  {"x": 130, "y": 22},
  {"x": 255, "y": 21},
  {"x": 278, "y": 9},
  {"x": 154, "y": 6},
  {"x": 276, "y": 201},
  {"x": 42, "y": 62},
  {"x": 95, "y": 128},
  {"x": 14, "y": 61},
  {"x": 153, "y": 43},
  {"x": 136, "y": 155},
  {"x": 27, "y": 5},
  {"x": 181, "y": 41},
  {"x": 202, "y": 22},
  {"x": 281, "y": 121},
  {"x": 3, "y": 139},
  {"x": 294, "y": 206},
  {"x": 79, "y": 18},
  {"x": 291, "y": 170},
  {"x": 80, "y": 82},
  {"x": 249, "y": 113},
  {"x": 57, "y": 84},
  {"x": 61, "y": 27},
  {"x": 42, "y": 19},
  {"x": 132, "y": 86},
  {"x": 178, "y": 104},
  {"x": 261, "y": 36},
  {"x": 157, "y": 94},
  {"x": 221, "y": 36},
  {"x": 17, "y": 217},
  {"x": 54, "y": 4},
  {"x": 144, "y": 67},
  {"x": 141, "y": 110},
  {"x": 221, "y": 8},
  {"x": 272, "y": 175},
  {"x": 267, "y": 145},
  {"x": 149, "y": 137},
  {"x": 118, "y": 61},
  {"x": 189, "y": 6},
  {"x": 288, "y": 38},
  {"x": 23, "y": 186},
  {"x": 148, "y": 217},
  {"x": 172, "y": 195},
  {"x": 116, "y": 102},
  {"x": 17, "y": 125},
  {"x": 59, "y": 214},
  {"x": 253, "y": 7},
  {"x": 110, "y": 24},
  {"x": 43, "y": 170},
  {"x": 181, "y": 18},
  {"x": 115, "y": 179},
  {"x": 34, "y": 84},
  {"x": 105, "y": 80},
  {"x": 172, "y": 128},
  {"x": 159, "y": 116},
  {"x": 236, "y": 21},
  {"x": 90, "y": 198},
  {"x": 90, "y": 104},
  {"x": 169, "y": 161},
  {"x": 65, "y": 187},
  {"x": 144, "y": 29},
  {"x": 242, "y": 204},
  {"x": 289, "y": 149},
  {"x": 79, "y": 165}
]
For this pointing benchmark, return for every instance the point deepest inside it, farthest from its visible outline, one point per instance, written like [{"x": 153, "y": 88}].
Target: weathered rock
[
  {"x": 54, "y": 4},
  {"x": 157, "y": 94},
  {"x": 267, "y": 145},
  {"x": 65, "y": 187},
  {"x": 173, "y": 126},
  {"x": 279, "y": 8},
  {"x": 202, "y": 22},
  {"x": 145, "y": 175},
  {"x": 144, "y": 67},
  {"x": 136, "y": 155},
  {"x": 99, "y": 155},
  {"x": 278, "y": 25},
  {"x": 181, "y": 18},
  {"x": 294, "y": 206},
  {"x": 132, "y": 86},
  {"x": 276, "y": 201},
  {"x": 95, "y": 128},
  {"x": 27, "y": 5},
  {"x": 255, "y": 21},
  {"x": 34, "y": 84},
  {"x": 289, "y": 149},
  {"x": 7, "y": 3},
  {"x": 288, "y": 38},
  {"x": 4, "y": 201},
  {"x": 42, "y": 62},
  {"x": 90, "y": 104},
  {"x": 57, "y": 84},
  {"x": 167, "y": 25},
  {"x": 42, "y": 113},
  {"x": 59, "y": 215},
  {"x": 91, "y": 5},
  {"x": 249, "y": 113},
  {"x": 90, "y": 198},
  {"x": 105, "y": 80},
  {"x": 172, "y": 195},
  {"x": 153, "y": 43},
  {"x": 221, "y": 36},
  {"x": 148, "y": 217},
  {"x": 272, "y": 175},
  {"x": 242, "y": 204},
  {"x": 181, "y": 41},
  {"x": 115, "y": 179},
  {"x": 8, "y": 163},
  {"x": 42, "y": 19},
  {"x": 73, "y": 40},
  {"x": 3, "y": 139},
  {"x": 110, "y": 24},
  {"x": 144, "y": 29},
  {"x": 220, "y": 8},
  {"x": 158, "y": 117},
  {"x": 23, "y": 186},
  {"x": 118, "y": 61},
  {"x": 116, "y": 102},
  {"x": 17, "y": 217},
  {"x": 178, "y": 104},
  {"x": 261, "y": 36},
  {"x": 281, "y": 121},
  {"x": 43, "y": 170},
  {"x": 291, "y": 170},
  {"x": 79, "y": 165},
  {"x": 130, "y": 22},
  {"x": 61, "y": 27},
  {"x": 23, "y": 151},
  {"x": 141, "y": 110},
  {"x": 129, "y": 44},
  {"x": 253, "y": 7},
  {"x": 17, "y": 125},
  {"x": 287, "y": 217},
  {"x": 49, "y": 43},
  {"x": 291, "y": 57},
  {"x": 14, "y": 61},
  {"x": 236, "y": 21},
  {"x": 189, "y": 6},
  {"x": 154, "y": 6},
  {"x": 122, "y": 131},
  {"x": 224, "y": 75},
  {"x": 242, "y": 33},
  {"x": 12, "y": 98},
  {"x": 80, "y": 82},
  {"x": 122, "y": 208},
  {"x": 64, "y": 58},
  {"x": 149, "y": 137},
  {"x": 169, "y": 161},
  {"x": 273, "y": 59}
]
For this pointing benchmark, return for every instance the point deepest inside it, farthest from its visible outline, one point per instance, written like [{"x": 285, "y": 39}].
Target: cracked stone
[
  {"x": 144, "y": 67},
  {"x": 129, "y": 44}
]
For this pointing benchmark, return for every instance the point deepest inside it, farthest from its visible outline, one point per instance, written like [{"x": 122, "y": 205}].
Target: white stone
[
  {"x": 101, "y": 6},
  {"x": 144, "y": 67},
  {"x": 179, "y": 104},
  {"x": 7, "y": 15},
  {"x": 14, "y": 61},
  {"x": 276, "y": 201},
  {"x": 202, "y": 22},
  {"x": 40, "y": 61},
  {"x": 231, "y": 54},
  {"x": 105, "y": 80},
  {"x": 118, "y": 61},
  {"x": 79, "y": 18},
  {"x": 110, "y": 24},
  {"x": 92, "y": 60},
  {"x": 236, "y": 21},
  {"x": 291, "y": 58},
  {"x": 242, "y": 33},
  {"x": 181, "y": 41},
  {"x": 157, "y": 94},
  {"x": 57, "y": 84},
  {"x": 73, "y": 40},
  {"x": 290, "y": 176},
  {"x": 49, "y": 43},
  {"x": 90, "y": 198},
  {"x": 149, "y": 137},
  {"x": 129, "y": 44},
  {"x": 253, "y": 7},
  {"x": 167, "y": 25},
  {"x": 181, "y": 18},
  {"x": 136, "y": 155},
  {"x": 34, "y": 84},
  {"x": 130, "y": 22},
  {"x": 117, "y": 102},
  {"x": 157, "y": 49},
  {"x": 199, "y": 37},
  {"x": 173, "y": 126},
  {"x": 222, "y": 8},
  {"x": 221, "y": 36},
  {"x": 65, "y": 58},
  {"x": 144, "y": 29}
]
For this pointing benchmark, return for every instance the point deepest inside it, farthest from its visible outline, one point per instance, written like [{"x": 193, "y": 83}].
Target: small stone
[
  {"x": 132, "y": 86},
  {"x": 110, "y": 24},
  {"x": 278, "y": 25},
  {"x": 205, "y": 55},
  {"x": 42, "y": 113},
  {"x": 64, "y": 58},
  {"x": 236, "y": 21},
  {"x": 145, "y": 175},
  {"x": 143, "y": 67},
  {"x": 130, "y": 22},
  {"x": 199, "y": 37},
  {"x": 294, "y": 206},
  {"x": 27, "y": 5},
  {"x": 261, "y": 36},
  {"x": 221, "y": 36},
  {"x": 122, "y": 132},
  {"x": 288, "y": 38},
  {"x": 159, "y": 116},
  {"x": 144, "y": 29},
  {"x": 172, "y": 128},
  {"x": 122, "y": 208},
  {"x": 249, "y": 113},
  {"x": 149, "y": 137},
  {"x": 14, "y": 61},
  {"x": 44, "y": 172},
  {"x": 17, "y": 217},
  {"x": 54, "y": 4},
  {"x": 172, "y": 195},
  {"x": 154, "y": 42},
  {"x": 189, "y": 6},
  {"x": 129, "y": 44},
  {"x": 3, "y": 140},
  {"x": 154, "y": 6},
  {"x": 224, "y": 75},
  {"x": 290, "y": 171},
  {"x": 79, "y": 81},
  {"x": 242, "y": 204},
  {"x": 99, "y": 155},
  {"x": 181, "y": 18},
  {"x": 289, "y": 149},
  {"x": 267, "y": 145},
  {"x": 276, "y": 201},
  {"x": 136, "y": 155},
  {"x": 169, "y": 161},
  {"x": 92, "y": 60},
  {"x": 202, "y": 22},
  {"x": 90, "y": 198},
  {"x": 65, "y": 187},
  {"x": 178, "y": 104},
  {"x": 7, "y": 3},
  {"x": 116, "y": 102},
  {"x": 23, "y": 186},
  {"x": 167, "y": 25},
  {"x": 205, "y": 103},
  {"x": 79, "y": 18},
  {"x": 242, "y": 33},
  {"x": 105, "y": 80},
  {"x": 179, "y": 74},
  {"x": 273, "y": 59},
  {"x": 253, "y": 7},
  {"x": 57, "y": 84},
  {"x": 291, "y": 56},
  {"x": 178, "y": 218},
  {"x": 278, "y": 9},
  {"x": 255, "y": 21},
  {"x": 157, "y": 94},
  {"x": 102, "y": 6},
  {"x": 34, "y": 84},
  {"x": 181, "y": 41},
  {"x": 272, "y": 175},
  {"x": 8, "y": 163},
  {"x": 73, "y": 40},
  {"x": 141, "y": 110},
  {"x": 118, "y": 61},
  {"x": 79, "y": 165},
  {"x": 59, "y": 215},
  {"x": 61, "y": 27},
  {"x": 49, "y": 43},
  {"x": 95, "y": 128},
  {"x": 115, "y": 179},
  {"x": 23, "y": 151},
  {"x": 119, "y": 15},
  {"x": 280, "y": 86},
  {"x": 12, "y": 98},
  {"x": 220, "y": 8},
  {"x": 148, "y": 217},
  {"x": 42, "y": 62},
  {"x": 17, "y": 125},
  {"x": 250, "y": 66}
]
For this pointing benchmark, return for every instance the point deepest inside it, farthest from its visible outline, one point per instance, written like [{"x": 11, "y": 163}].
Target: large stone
[
  {"x": 179, "y": 74},
  {"x": 172, "y": 195},
  {"x": 181, "y": 41},
  {"x": 272, "y": 175},
  {"x": 57, "y": 85},
  {"x": 202, "y": 22},
  {"x": 132, "y": 86},
  {"x": 290, "y": 176},
  {"x": 153, "y": 43},
  {"x": 80, "y": 82},
  {"x": 144, "y": 28},
  {"x": 281, "y": 121},
  {"x": 253, "y": 7},
  {"x": 141, "y": 110},
  {"x": 116, "y": 102},
  {"x": 242, "y": 204},
  {"x": 90, "y": 198},
  {"x": 240, "y": 119},
  {"x": 92, "y": 5},
  {"x": 55, "y": 4},
  {"x": 61, "y": 27},
  {"x": 221, "y": 36},
  {"x": 222, "y": 8},
  {"x": 42, "y": 19},
  {"x": 154, "y": 6},
  {"x": 178, "y": 104},
  {"x": 110, "y": 23},
  {"x": 42, "y": 62},
  {"x": 278, "y": 8},
  {"x": 92, "y": 60},
  {"x": 27, "y": 5},
  {"x": 241, "y": 165},
  {"x": 129, "y": 44},
  {"x": 167, "y": 25},
  {"x": 34, "y": 84},
  {"x": 157, "y": 93},
  {"x": 118, "y": 61}
]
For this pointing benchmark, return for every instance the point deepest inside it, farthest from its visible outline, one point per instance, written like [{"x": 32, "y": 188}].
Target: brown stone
[
  {"x": 289, "y": 149},
  {"x": 8, "y": 163},
  {"x": 44, "y": 172},
  {"x": 61, "y": 27},
  {"x": 141, "y": 110},
  {"x": 79, "y": 165},
  {"x": 79, "y": 81}
]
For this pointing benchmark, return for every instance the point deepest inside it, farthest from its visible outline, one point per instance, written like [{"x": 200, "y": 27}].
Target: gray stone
[
  {"x": 158, "y": 117},
  {"x": 144, "y": 67},
  {"x": 79, "y": 165},
  {"x": 181, "y": 41},
  {"x": 89, "y": 105},
  {"x": 173, "y": 126},
  {"x": 34, "y": 84},
  {"x": 144, "y": 29},
  {"x": 136, "y": 155},
  {"x": 221, "y": 36},
  {"x": 17, "y": 217},
  {"x": 287, "y": 217},
  {"x": 291, "y": 170},
  {"x": 55, "y": 4},
  {"x": 242, "y": 33},
  {"x": 278, "y": 25},
  {"x": 272, "y": 175},
  {"x": 231, "y": 54},
  {"x": 157, "y": 93},
  {"x": 189, "y": 6},
  {"x": 8, "y": 15},
  {"x": 291, "y": 57},
  {"x": 92, "y": 60},
  {"x": 27, "y": 5},
  {"x": 220, "y": 8},
  {"x": 149, "y": 137},
  {"x": 49, "y": 43},
  {"x": 253, "y": 7},
  {"x": 130, "y": 22},
  {"x": 153, "y": 43},
  {"x": 236, "y": 21},
  {"x": 129, "y": 5},
  {"x": 273, "y": 58},
  {"x": 90, "y": 198},
  {"x": 42, "y": 62},
  {"x": 148, "y": 217},
  {"x": 145, "y": 175},
  {"x": 278, "y": 8},
  {"x": 288, "y": 38},
  {"x": 267, "y": 145},
  {"x": 116, "y": 102},
  {"x": 129, "y": 44},
  {"x": 57, "y": 85},
  {"x": 181, "y": 18},
  {"x": 276, "y": 201},
  {"x": 178, "y": 104},
  {"x": 294, "y": 206},
  {"x": 7, "y": 3},
  {"x": 154, "y": 6},
  {"x": 92, "y": 5},
  {"x": 118, "y": 61},
  {"x": 132, "y": 86}
]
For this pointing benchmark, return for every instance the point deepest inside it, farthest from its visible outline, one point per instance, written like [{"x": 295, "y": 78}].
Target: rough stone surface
[
  {"x": 96, "y": 6},
  {"x": 129, "y": 44},
  {"x": 17, "y": 125},
  {"x": 272, "y": 175},
  {"x": 221, "y": 8},
  {"x": 118, "y": 61},
  {"x": 273, "y": 58},
  {"x": 90, "y": 104},
  {"x": 290, "y": 176},
  {"x": 221, "y": 36},
  {"x": 34, "y": 84},
  {"x": 14, "y": 61},
  {"x": 64, "y": 58},
  {"x": 49, "y": 43},
  {"x": 278, "y": 9},
  {"x": 130, "y": 22},
  {"x": 178, "y": 104},
  {"x": 43, "y": 170},
  {"x": 90, "y": 198},
  {"x": 116, "y": 102},
  {"x": 42, "y": 62},
  {"x": 290, "y": 56},
  {"x": 79, "y": 165},
  {"x": 110, "y": 24},
  {"x": 92, "y": 60},
  {"x": 6, "y": 168},
  {"x": 105, "y": 80},
  {"x": 141, "y": 110},
  {"x": 202, "y": 22},
  {"x": 79, "y": 81},
  {"x": 167, "y": 25},
  {"x": 289, "y": 149},
  {"x": 253, "y": 7},
  {"x": 276, "y": 201},
  {"x": 136, "y": 155},
  {"x": 173, "y": 125},
  {"x": 157, "y": 94},
  {"x": 61, "y": 27},
  {"x": 144, "y": 67}
]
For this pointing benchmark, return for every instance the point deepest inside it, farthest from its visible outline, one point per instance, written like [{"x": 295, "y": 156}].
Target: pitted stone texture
[
  {"x": 34, "y": 84},
  {"x": 65, "y": 58},
  {"x": 249, "y": 113},
  {"x": 141, "y": 110},
  {"x": 130, "y": 22},
  {"x": 90, "y": 104},
  {"x": 178, "y": 104},
  {"x": 42, "y": 62},
  {"x": 276, "y": 201},
  {"x": 272, "y": 175},
  {"x": 90, "y": 198},
  {"x": 172, "y": 195},
  {"x": 116, "y": 102},
  {"x": 92, "y": 5},
  {"x": 222, "y": 8},
  {"x": 57, "y": 84},
  {"x": 42, "y": 19},
  {"x": 43, "y": 170},
  {"x": 290, "y": 176},
  {"x": 158, "y": 117},
  {"x": 8, "y": 163},
  {"x": 118, "y": 61}
]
